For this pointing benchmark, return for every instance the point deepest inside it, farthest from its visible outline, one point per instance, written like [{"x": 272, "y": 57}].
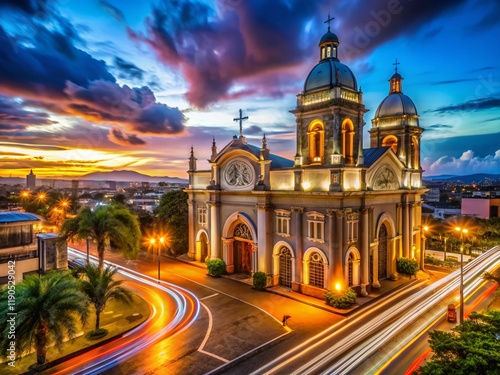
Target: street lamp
[
  {"x": 158, "y": 242},
  {"x": 425, "y": 228},
  {"x": 462, "y": 307}
]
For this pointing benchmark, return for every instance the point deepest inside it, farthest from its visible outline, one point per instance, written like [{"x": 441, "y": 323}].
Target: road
[{"x": 173, "y": 309}]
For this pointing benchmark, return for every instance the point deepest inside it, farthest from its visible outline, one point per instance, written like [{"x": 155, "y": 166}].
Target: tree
[
  {"x": 471, "y": 348},
  {"x": 173, "y": 212},
  {"x": 47, "y": 310},
  {"x": 100, "y": 287},
  {"x": 107, "y": 223}
]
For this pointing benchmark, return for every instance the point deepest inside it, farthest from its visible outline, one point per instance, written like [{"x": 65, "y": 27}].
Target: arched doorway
[
  {"x": 285, "y": 267},
  {"x": 352, "y": 267},
  {"x": 202, "y": 247},
  {"x": 382, "y": 252},
  {"x": 242, "y": 249}
]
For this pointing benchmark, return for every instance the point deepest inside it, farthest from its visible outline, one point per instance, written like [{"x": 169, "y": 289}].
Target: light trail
[{"x": 158, "y": 326}]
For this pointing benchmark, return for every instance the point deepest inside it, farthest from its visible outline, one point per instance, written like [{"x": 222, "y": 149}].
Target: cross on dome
[
  {"x": 396, "y": 65},
  {"x": 329, "y": 20},
  {"x": 240, "y": 119}
]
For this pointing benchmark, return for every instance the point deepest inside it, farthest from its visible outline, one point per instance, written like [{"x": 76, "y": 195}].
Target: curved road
[{"x": 173, "y": 309}]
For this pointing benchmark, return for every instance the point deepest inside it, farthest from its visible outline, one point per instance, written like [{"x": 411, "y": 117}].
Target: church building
[{"x": 335, "y": 215}]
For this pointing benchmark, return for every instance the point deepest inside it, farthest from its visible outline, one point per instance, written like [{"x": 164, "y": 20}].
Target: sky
[{"x": 101, "y": 85}]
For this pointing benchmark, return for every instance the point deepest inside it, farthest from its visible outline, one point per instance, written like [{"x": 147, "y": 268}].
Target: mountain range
[
  {"x": 468, "y": 179},
  {"x": 131, "y": 176}
]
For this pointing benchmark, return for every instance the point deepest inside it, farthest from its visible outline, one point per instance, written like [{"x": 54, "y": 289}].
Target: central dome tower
[
  {"x": 329, "y": 71},
  {"x": 329, "y": 115}
]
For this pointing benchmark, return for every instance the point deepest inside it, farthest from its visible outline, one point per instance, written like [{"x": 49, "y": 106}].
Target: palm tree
[
  {"x": 47, "y": 310},
  {"x": 100, "y": 287},
  {"x": 106, "y": 224}
]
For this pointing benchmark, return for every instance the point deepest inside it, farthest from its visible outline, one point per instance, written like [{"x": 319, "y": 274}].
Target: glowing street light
[
  {"x": 158, "y": 241},
  {"x": 462, "y": 307}
]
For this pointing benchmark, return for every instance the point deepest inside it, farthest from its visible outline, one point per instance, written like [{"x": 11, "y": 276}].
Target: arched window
[
  {"x": 285, "y": 271},
  {"x": 415, "y": 152},
  {"x": 392, "y": 142},
  {"x": 316, "y": 270},
  {"x": 382, "y": 252},
  {"x": 348, "y": 141},
  {"x": 316, "y": 142}
]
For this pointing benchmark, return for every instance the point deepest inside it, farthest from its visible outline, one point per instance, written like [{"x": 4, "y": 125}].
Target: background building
[{"x": 31, "y": 180}]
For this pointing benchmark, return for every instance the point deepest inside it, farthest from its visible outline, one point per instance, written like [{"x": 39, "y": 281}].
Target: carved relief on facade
[
  {"x": 385, "y": 179},
  {"x": 238, "y": 174}
]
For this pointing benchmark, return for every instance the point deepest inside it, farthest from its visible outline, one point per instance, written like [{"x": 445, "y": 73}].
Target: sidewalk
[{"x": 386, "y": 287}]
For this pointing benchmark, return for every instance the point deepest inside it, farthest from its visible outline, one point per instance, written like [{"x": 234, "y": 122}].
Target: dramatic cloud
[
  {"x": 214, "y": 48},
  {"x": 125, "y": 139},
  {"x": 128, "y": 70},
  {"x": 14, "y": 116},
  {"x": 364, "y": 29},
  {"x": 112, "y": 10},
  {"x": 55, "y": 75},
  {"x": 468, "y": 163},
  {"x": 471, "y": 105},
  {"x": 437, "y": 127},
  {"x": 30, "y": 7}
]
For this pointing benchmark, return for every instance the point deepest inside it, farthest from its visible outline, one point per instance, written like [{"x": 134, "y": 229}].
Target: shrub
[
  {"x": 216, "y": 267},
  {"x": 259, "y": 280},
  {"x": 340, "y": 300},
  {"x": 96, "y": 334},
  {"x": 407, "y": 266}
]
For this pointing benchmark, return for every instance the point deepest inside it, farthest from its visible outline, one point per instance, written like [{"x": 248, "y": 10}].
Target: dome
[
  {"x": 328, "y": 73},
  {"x": 329, "y": 37},
  {"x": 396, "y": 104}
]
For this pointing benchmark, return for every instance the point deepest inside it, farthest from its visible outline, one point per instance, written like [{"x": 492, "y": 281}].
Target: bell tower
[{"x": 329, "y": 112}]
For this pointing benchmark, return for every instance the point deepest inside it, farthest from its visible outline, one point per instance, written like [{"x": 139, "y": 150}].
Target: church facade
[{"x": 335, "y": 215}]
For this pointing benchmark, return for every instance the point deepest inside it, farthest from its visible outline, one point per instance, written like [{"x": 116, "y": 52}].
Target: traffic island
[{"x": 115, "y": 320}]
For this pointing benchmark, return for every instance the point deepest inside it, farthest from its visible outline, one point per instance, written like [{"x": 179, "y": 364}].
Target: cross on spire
[
  {"x": 330, "y": 19},
  {"x": 396, "y": 65},
  {"x": 240, "y": 119}
]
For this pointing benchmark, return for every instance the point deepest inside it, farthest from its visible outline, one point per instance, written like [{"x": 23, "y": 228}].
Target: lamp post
[
  {"x": 462, "y": 307},
  {"x": 425, "y": 228},
  {"x": 158, "y": 242}
]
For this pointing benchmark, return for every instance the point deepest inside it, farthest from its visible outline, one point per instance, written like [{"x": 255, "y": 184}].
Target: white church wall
[
  {"x": 201, "y": 179},
  {"x": 282, "y": 180}
]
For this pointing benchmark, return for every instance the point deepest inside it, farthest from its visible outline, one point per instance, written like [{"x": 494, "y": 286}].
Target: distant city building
[
  {"x": 484, "y": 208},
  {"x": 432, "y": 195},
  {"x": 145, "y": 185},
  {"x": 18, "y": 244},
  {"x": 112, "y": 185},
  {"x": 442, "y": 210},
  {"x": 74, "y": 187},
  {"x": 31, "y": 180}
]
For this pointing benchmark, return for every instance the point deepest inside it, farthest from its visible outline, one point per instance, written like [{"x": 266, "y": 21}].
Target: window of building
[
  {"x": 202, "y": 216},
  {"x": 352, "y": 230},
  {"x": 316, "y": 136},
  {"x": 316, "y": 227},
  {"x": 316, "y": 270},
  {"x": 328, "y": 51},
  {"x": 283, "y": 222}
]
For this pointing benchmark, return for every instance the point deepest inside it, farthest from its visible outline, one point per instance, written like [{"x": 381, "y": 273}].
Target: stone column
[
  {"x": 330, "y": 275},
  {"x": 265, "y": 254},
  {"x": 297, "y": 213},
  {"x": 191, "y": 229},
  {"x": 298, "y": 156},
  {"x": 215, "y": 235},
  {"x": 365, "y": 248},
  {"x": 411, "y": 215},
  {"x": 375, "y": 282},
  {"x": 255, "y": 258},
  {"x": 406, "y": 230},
  {"x": 338, "y": 248}
]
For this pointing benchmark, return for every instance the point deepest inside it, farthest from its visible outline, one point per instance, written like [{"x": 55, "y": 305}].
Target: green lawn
[{"x": 113, "y": 319}]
